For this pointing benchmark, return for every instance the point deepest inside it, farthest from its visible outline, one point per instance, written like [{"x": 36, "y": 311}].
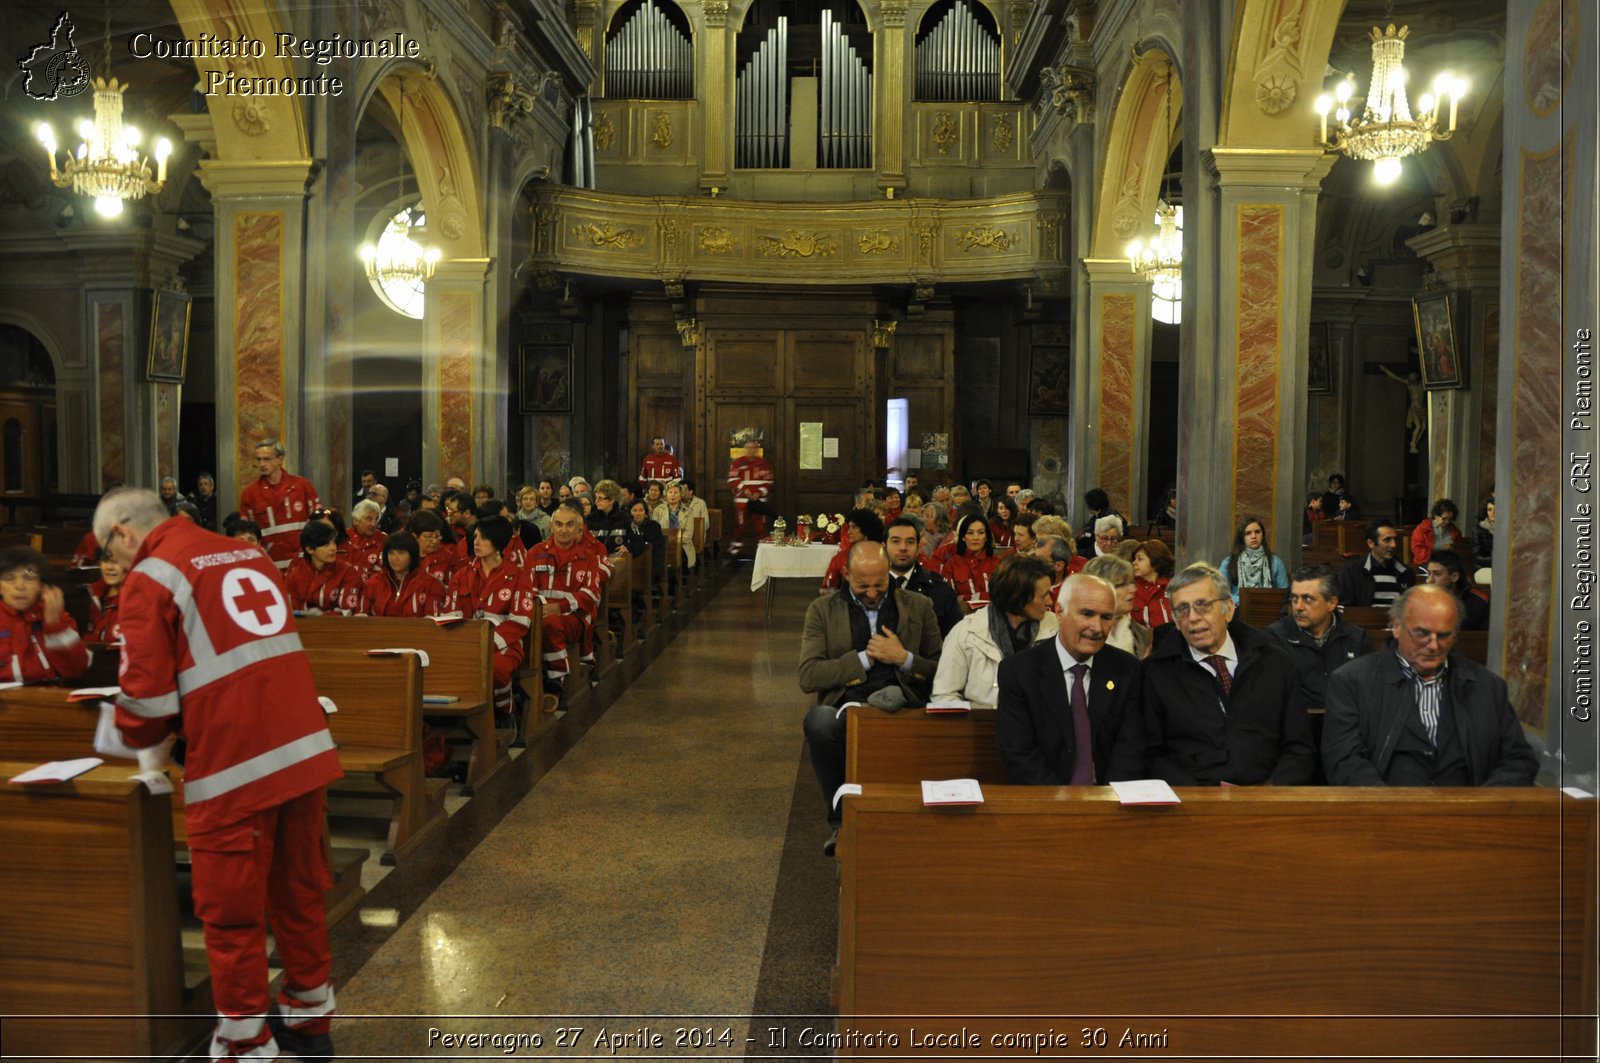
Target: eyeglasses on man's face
[{"x": 1199, "y": 608}]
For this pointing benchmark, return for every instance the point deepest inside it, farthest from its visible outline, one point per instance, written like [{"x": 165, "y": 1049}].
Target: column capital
[
  {"x": 1105, "y": 272},
  {"x": 129, "y": 258},
  {"x": 1289, "y": 168},
  {"x": 255, "y": 180},
  {"x": 1340, "y": 306},
  {"x": 461, "y": 272},
  {"x": 1464, "y": 256}
]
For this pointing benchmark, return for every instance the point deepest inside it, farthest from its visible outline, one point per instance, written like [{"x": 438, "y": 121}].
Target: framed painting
[
  {"x": 1442, "y": 365},
  {"x": 545, "y": 370},
  {"x": 1048, "y": 381},
  {"x": 169, "y": 336},
  {"x": 1319, "y": 361}
]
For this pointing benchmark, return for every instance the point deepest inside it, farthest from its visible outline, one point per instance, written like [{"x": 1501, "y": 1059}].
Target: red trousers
[
  {"x": 269, "y": 868},
  {"x": 561, "y": 631}
]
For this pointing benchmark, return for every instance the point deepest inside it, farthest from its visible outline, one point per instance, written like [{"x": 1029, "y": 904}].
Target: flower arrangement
[{"x": 831, "y": 525}]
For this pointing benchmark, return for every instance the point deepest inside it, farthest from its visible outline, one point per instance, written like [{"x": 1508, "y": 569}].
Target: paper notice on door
[
  {"x": 830, "y": 447},
  {"x": 811, "y": 444}
]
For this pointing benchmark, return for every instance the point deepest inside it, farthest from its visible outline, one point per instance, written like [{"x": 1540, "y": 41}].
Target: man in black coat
[
  {"x": 1221, "y": 700},
  {"x": 1073, "y": 687},
  {"x": 1314, "y": 636},
  {"x": 902, "y": 540},
  {"x": 1418, "y": 715},
  {"x": 1379, "y": 577}
]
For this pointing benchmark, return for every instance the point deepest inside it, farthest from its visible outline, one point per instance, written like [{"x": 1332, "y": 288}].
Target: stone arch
[
  {"x": 247, "y": 128},
  {"x": 1275, "y": 67},
  {"x": 35, "y": 327},
  {"x": 1136, "y": 152},
  {"x": 436, "y": 142}
]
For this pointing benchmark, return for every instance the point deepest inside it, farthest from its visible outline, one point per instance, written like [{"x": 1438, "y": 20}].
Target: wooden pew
[
  {"x": 379, "y": 731},
  {"x": 38, "y": 724},
  {"x": 1368, "y": 617},
  {"x": 93, "y": 961},
  {"x": 673, "y": 586},
  {"x": 1046, "y": 902},
  {"x": 1260, "y": 607},
  {"x": 460, "y": 666},
  {"x": 1473, "y": 645},
  {"x": 911, "y": 745},
  {"x": 714, "y": 532}
]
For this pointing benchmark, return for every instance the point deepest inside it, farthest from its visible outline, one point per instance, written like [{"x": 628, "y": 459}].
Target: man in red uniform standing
[
  {"x": 750, "y": 481},
  {"x": 568, "y": 577},
  {"x": 211, "y": 654},
  {"x": 280, "y": 502},
  {"x": 659, "y": 465}
]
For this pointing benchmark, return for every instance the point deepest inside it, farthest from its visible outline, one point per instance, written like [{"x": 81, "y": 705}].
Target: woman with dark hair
[
  {"x": 436, "y": 550},
  {"x": 400, "y": 587},
  {"x": 644, "y": 535},
  {"x": 105, "y": 594},
  {"x": 893, "y": 503},
  {"x": 40, "y": 640},
  {"x": 492, "y": 588},
  {"x": 1446, "y": 570},
  {"x": 319, "y": 580},
  {"x": 859, "y": 524},
  {"x": 1002, "y": 512},
  {"x": 972, "y": 564},
  {"x": 1438, "y": 534},
  {"x": 335, "y": 520},
  {"x": 1017, "y": 616},
  {"x": 1252, "y": 563},
  {"x": 1152, "y": 570}
]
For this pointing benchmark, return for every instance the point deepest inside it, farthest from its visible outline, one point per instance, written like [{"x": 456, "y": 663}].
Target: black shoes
[
  {"x": 831, "y": 844},
  {"x": 310, "y": 1047}
]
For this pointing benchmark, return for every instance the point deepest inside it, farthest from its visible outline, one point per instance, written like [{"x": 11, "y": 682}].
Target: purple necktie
[{"x": 1082, "y": 750}]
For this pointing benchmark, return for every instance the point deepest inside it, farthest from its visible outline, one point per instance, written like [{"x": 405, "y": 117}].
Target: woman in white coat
[{"x": 1017, "y": 616}]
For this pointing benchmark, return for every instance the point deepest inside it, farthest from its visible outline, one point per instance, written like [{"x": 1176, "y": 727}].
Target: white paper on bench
[
  {"x": 847, "y": 788},
  {"x": 107, "y": 739},
  {"x": 422, "y": 655},
  {"x": 58, "y": 770},
  {"x": 951, "y": 792},
  {"x": 1145, "y": 792}
]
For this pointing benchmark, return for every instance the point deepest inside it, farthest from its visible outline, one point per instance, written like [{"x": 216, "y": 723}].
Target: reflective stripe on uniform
[
  {"x": 209, "y": 665},
  {"x": 154, "y": 708},
  {"x": 241, "y": 1029},
  {"x": 64, "y": 639},
  {"x": 279, "y": 529},
  {"x": 303, "y": 1005},
  {"x": 256, "y": 768}
]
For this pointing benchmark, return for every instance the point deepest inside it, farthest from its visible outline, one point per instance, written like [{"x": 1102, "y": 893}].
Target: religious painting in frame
[
  {"x": 169, "y": 336},
  {"x": 1048, "y": 381},
  {"x": 1442, "y": 365},
  {"x": 1319, "y": 361},
  {"x": 545, "y": 370}
]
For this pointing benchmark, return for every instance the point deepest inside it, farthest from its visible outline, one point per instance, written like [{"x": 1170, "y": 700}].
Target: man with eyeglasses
[
  {"x": 1222, "y": 701},
  {"x": 1314, "y": 635},
  {"x": 1415, "y": 714}
]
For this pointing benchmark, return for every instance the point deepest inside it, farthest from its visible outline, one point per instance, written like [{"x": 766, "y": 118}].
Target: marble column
[
  {"x": 260, "y": 295},
  {"x": 1543, "y": 616},
  {"x": 136, "y": 418},
  {"x": 715, "y": 49},
  {"x": 1082, "y": 461},
  {"x": 1466, "y": 259},
  {"x": 458, "y": 374},
  {"x": 1243, "y": 370},
  {"x": 1114, "y": 439},
  {"x": 892, "y": 75}
]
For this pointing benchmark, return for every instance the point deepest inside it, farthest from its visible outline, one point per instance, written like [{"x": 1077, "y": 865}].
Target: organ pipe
[
  {"x": 959, "y": 59},
  {"x": 648, "y": 57}
]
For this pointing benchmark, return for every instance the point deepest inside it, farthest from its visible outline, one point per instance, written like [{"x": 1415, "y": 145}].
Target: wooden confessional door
[{"x": 778, "y": 380}]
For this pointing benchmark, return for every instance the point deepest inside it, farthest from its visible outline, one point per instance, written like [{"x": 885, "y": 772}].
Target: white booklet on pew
[
  {"x": 395, "y": 651},
  {"x": 1145, "y": 792},
  {"x": 58, "y": 771},
  {"x": 951, "y": 792},
  {"x": 446, "y": 619},
  {"x": 94, "y": 693}
]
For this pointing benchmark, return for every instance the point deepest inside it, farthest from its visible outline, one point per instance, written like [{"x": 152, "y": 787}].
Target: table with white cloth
[{"x": 789, "y": 562}]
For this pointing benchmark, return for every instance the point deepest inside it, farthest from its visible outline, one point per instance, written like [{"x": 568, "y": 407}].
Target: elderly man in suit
[
  {"x": 1415, "y": 714},
  {"x": 1069, "y": 707},
  {"x": 863, "y": 643}
]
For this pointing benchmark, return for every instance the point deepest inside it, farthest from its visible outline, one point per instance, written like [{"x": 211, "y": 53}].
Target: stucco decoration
[
  {"x": 1149, "y": 108},
  {"x": 1278, "y": 54},
  {"x": 254, "y": 127}
]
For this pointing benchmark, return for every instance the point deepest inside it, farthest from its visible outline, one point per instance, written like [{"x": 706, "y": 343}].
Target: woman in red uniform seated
[
  {"x": 859, "y": 524},
  {"x": 493, "y": 588},
  {"x": 969, "y": 569},
  {"x": 400, "y": 587},
  {"x": 436, "y": 546},
  {"x": 38, "y": 640},
  {"x": 1152, "y": 571},
  {"x": 319, "y": 580},
  {"x": 105, "y": 624},
  {"x": 364, "y": 542},
  {"x": 1002, "y": 514}
]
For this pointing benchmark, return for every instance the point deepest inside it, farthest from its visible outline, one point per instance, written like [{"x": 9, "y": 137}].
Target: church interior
[{"x": 509, "y": 240}]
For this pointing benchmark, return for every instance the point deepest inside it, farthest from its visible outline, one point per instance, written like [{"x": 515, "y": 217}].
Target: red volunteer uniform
[
  {"x": 211, "y": 652},
  {"x": 281, "y": 509},
  {"x": 504, "y": 597},
  {"x": 571, "y": 579},
  {"x": 419, "y": 594},
  {"x": 32, "y": 651},
  {"x": 749, "y": 479},
  {"x": 335, "y": 588},
  {"x": 105, "y": 619},
  {"x": 662, "y": 467},
  {"x": 87, "y": 554},
  {"x": 364, "y": 552},
  {"x": 969, "y": 575},
  {"x": 833, "y": 579},
  {"x": 442, "y": 564}
]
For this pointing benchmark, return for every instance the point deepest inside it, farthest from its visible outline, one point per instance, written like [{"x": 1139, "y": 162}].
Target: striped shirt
[
  {"x": 1385, "y": 585},
  {"x": 1429, "y": 692}
]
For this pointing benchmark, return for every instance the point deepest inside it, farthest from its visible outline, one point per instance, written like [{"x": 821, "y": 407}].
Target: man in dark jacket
[
  {"x": 1378, "y": 578},
  {"x": 1069, "y": 707},
  {"x": 1221, "y": 700},
  {"x": 1418, "y": 715},
  {"x": 1314, "y": 635},
  {"x": 903, "y": 538}
]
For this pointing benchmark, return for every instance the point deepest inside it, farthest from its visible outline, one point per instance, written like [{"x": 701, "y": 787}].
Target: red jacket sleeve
[
  {"x": 148, "y": 707},
  {"x": 64, "y": 648}
]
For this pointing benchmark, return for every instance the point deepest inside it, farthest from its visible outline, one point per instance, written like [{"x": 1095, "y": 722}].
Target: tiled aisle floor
[{"x": 636, "y": 878}]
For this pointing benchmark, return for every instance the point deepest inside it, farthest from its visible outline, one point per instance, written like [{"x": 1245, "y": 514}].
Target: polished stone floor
[{"x": 636, "y": 875}]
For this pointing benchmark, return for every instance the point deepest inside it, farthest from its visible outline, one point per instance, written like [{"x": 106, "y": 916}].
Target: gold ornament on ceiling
[{"x": 1275, "y": 93}]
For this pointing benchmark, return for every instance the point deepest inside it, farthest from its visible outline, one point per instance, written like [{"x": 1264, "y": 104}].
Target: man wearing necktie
[
  {"x": 1068, "y": 712},
  {"x": 1221, "y": 700},
  {"x": 1415, "y": 714}
]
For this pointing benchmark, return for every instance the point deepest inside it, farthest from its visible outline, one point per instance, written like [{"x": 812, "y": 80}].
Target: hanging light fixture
[
  {"x": 1160, "y": 260},
  {"x": 107, "y": 165},
  {"x": 1386, "y": 131},
  {"x": 400, "y": 261}
]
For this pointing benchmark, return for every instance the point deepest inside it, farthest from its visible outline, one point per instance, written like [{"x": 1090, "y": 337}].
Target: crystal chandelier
[
  {"x": 1161, "y": 259},
  {"x": 398, "y": 258},
  {"x": 1386, "y": 132},
  {"x": 107, "y": 165}
]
